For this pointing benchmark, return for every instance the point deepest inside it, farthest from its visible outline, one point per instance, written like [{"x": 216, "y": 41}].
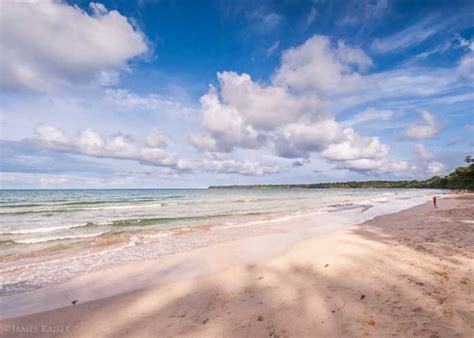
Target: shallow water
[{"x": 48, "y": 236}]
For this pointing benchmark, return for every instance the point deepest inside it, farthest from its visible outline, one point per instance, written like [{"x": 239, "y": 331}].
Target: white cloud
[
  {"x": 53, "y": 181},
  {"x": 150, "y": 151},
  {"x": 156, "y": 139},
  {"x": 266, "y": 107},
  {"x": 427, "y": 129},
  {"x": 27, "y": 180},
  {"x": 363, "y": 154},
  {"x": 299, "y": 139},
  {"x": 466, "y": 65},
  {"x": 368, "y": 115},
  {"x": 225, "y": 124},
  {"x": 290, "y": 114},
  {"x": 377, "y": 8},
  {"x": 204, "y": 141},
  {"x": 451, "y": 99},
  {"x": 465, "y": 43},
  {"x": 426, "y": 166},
  {"x": 126, "y": 99},
  {"x": 421, "y": 151},
  {"x": 273, "y": 48},
  {"x": 51, "y": 135},
  {"x": 355, "y": 147},
  {"x": 311, "y": 16},
  {"x": 436, "y": 168},
  {"x": 242, "y": 167},
  {"x": 408, "y": 37},
  {"x": 267, "y": 22},
  {"x": 58, "y": 44},
  {"x": 364, "y": 10},
  {"x": 320, "y": 67},
  {"x": 377, "y": 166},
  {"x": 119, "y": 146}
]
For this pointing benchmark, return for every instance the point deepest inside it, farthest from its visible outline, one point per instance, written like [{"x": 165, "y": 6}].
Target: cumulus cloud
[
  {"x": 299, "y": 139},
  {"x": 436, "y": 168},
  {"x": 364, "y": 154},
  {"x": 319, "y": 66},
  {"x": 59, "y": 43},
  {"x": 421, "y": 151},
  {"x": 355, "y": 147},
  {"x": 150, "y": 151},
  {"x": 226, "y": 125},
  {"x": 376, "y": 166},
  {"x": 290, "y": 115},
  {"x": 266, "y": 107},
  {"x": 119, "y": 146},
  {"x": 51, "y": 135},
  {"x": 426, "y": 165},
  {"x": 428, "y": 128},
  {"x": 243, "y": 167},
  {"x": 155, "y": 139}
]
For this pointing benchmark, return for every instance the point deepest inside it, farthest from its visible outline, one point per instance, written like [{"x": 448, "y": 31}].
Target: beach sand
[{"x": 405, "y": 274}]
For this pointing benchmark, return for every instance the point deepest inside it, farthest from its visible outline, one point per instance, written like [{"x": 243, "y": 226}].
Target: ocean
[{"x": 50, "y": 236}]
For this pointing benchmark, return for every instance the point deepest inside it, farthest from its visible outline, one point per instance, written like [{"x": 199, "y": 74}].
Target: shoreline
[
  {"x": 26, "y": 272},
  {"x": 271, "y": 238},
  {"x": 296, "y": 269}
]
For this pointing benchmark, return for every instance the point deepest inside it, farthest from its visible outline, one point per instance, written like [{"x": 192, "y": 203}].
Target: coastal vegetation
[{"x": 461, "y": 178}]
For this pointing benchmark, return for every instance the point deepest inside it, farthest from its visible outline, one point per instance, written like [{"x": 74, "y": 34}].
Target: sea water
[{"x": 50, "y": 236}]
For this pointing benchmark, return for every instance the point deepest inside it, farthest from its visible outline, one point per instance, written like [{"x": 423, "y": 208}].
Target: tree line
[{"x": 460, "y": 178}]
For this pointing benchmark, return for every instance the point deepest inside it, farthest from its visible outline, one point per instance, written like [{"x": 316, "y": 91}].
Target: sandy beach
[{"x": 404, "y": 274}]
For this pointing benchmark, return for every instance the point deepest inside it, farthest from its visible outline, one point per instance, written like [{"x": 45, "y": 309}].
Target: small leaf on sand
[{"x": 372, "y": 322}]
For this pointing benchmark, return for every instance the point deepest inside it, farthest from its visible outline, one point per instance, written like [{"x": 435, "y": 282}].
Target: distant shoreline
[{"x": 337, "y": 185}]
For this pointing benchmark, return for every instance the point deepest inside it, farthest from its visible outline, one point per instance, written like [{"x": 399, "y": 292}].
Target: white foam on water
[
  {"x": 40, "y": 230},
  {"x": 57, "y": 238}
]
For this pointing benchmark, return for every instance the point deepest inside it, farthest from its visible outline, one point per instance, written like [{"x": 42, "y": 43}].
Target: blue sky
[{"x": 155, "y": 94}]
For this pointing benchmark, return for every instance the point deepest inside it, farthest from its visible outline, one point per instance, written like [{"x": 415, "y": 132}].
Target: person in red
[{"x": 434, "y": 202}]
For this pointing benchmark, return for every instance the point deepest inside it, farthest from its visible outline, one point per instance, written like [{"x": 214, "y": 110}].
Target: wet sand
[{"x": 404, "y": 274}]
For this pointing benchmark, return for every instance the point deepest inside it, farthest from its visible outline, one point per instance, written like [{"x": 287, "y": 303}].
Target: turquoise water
[{"x": 48, "y": 236}]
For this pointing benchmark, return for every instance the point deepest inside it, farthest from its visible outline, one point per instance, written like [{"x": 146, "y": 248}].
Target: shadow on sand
[{"x": 422, "y": 288}]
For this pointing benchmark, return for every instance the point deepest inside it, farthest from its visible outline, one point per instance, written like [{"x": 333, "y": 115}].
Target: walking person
[{"x": 435, "y": 205}]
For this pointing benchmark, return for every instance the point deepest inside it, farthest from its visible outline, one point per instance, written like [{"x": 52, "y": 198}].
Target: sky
[{"x": 181, "y": 94}]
